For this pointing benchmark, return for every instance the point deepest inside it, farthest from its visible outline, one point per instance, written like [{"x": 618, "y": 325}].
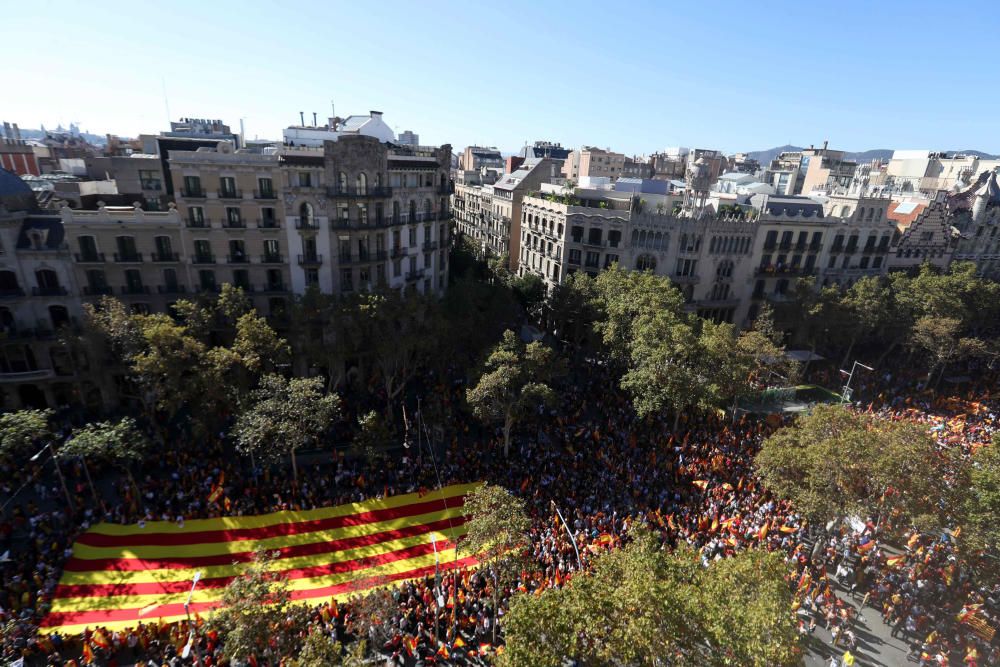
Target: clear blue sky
[{"x": 636, "y": 77}]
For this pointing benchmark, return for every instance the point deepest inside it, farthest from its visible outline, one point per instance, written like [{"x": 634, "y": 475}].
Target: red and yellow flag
[{"x": 118, "y": 572}]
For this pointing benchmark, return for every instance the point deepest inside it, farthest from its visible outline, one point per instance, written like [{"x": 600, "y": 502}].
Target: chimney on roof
[
  {"x": 825, "y": 142},
  {"x": 314, "y": 119},
  {"x": 17, "y": 133},
  {"x": 6, "y": 130},
  {"x": 375, "y": 114},
  {"x": 302, "y": 118}
]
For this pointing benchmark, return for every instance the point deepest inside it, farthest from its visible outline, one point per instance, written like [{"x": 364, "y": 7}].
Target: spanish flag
[
  {"x": 700, "y": 483},
  {"x": 88, "y": 654},
  {"x": 118, "y": 571},
  {"x": 895, "y": 561}
]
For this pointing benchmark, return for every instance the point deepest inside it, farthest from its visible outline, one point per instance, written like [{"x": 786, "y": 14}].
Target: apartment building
[
  {"x": 378, "y": 212},
  {"x": 594, "y": 162},
  {"x": 472, "y": 204},
  {"x": 503, "y": 220},
  {"x": 231, "y": 207},
  {"x": 724, "y": 265},
  {"x": 825, "y": 170},
  {"x": 474, "y": 158}
]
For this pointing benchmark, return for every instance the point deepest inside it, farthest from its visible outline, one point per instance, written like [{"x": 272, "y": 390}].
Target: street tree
[
  {"x": 626, "y": 296},
  {"x": 740, "y": 363},
  {"x": 573, "y": 309},
  {"x": 320, "y": 649},
  {"x": 669, "y": 369},
  {"x": 374, "y": 435},
  {"x": 254, "y": 610},
  {"x": 981, "y": 504},
  {"x": 941, "y": 339},
  {"x": 21, "y": 431},
  {"x": 498, "y": 526},
  {"x": 121, "y": 444},
  {"x": 641, "y": 605},
  {"x": 834, "y": 463},
  {"x": 284, "y": 415},
  {"x": 513, "y": 383}
]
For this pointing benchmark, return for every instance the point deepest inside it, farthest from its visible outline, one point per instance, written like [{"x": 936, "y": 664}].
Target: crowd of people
[{"x": 592, "y": 458}]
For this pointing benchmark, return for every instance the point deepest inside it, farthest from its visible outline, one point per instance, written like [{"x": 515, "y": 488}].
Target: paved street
[{"x": 876, "y": 646}]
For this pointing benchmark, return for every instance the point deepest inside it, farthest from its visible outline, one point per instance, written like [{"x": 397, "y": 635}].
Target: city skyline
[{"x": 651, "y": 77}]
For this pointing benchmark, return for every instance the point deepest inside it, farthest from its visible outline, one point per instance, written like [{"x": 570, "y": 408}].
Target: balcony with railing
[
  {"x": 97, "y": 290},
  {"x": 271, "y": 258},
  {"x": 237, "y": 259},
  {"x": 128, "y": 257},
  {"x": 310, "y": 259},
  {"x": 193, "y": 193},
  {"x": 274, "y": 287},
  {"x": 337, "y": 191},
  {"x": 234, "y": 224},
  {"x": 171, "y": 289},
  {"x": 51, "y": 290},
  {"x": 783, "y": 270},
  {"x": 230, "y": 194},
  {"x": 430, "y": 245},
  {"x": 162, "y": 257},
  {"x": 134, "y": 290},
  {"x": 190, "y": 223},
  {"x": 264, "y": 195},
  {"x": 90, "y": 258},
  {"x": 398, "y": 252},
  {"x": 310, "y": 225},
  {"x": 271, "y": 224},
  {"x": 203, "y": 258}
]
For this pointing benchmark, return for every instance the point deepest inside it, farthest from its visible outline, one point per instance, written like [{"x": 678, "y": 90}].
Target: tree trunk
[
  {"x": 295, "y": 468},
  {"x": 90, "y": 483},
  {"x": 508, "y": 424},
  {"x": 885, "y": 355}
]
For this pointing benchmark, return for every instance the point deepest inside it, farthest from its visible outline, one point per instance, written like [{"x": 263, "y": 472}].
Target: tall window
[
  {"x": 361, "y": 183},
  {"x": 206, "y": 280},
  {"x": 306, "y": 214},
  {"x": 164, "y": 252},
  {"x": 192, "y": 186},
  {"x": 265, "y": 188},
  {"x": 126, "y": 248},
  {"x": 88, "y": 249},
  {"x": 227, "y": 187},
  {"x": 272, "y": 251},
  {"x": 233, "y": 216},
  {"x": 202, "y": 251}
]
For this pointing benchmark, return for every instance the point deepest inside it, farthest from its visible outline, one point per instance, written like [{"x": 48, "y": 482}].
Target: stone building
[{"x": 725, "y": 266}]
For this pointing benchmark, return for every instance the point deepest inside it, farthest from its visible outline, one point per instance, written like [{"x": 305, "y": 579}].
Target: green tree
[
  {"x": 530, "y": 291},
  {"x": 941, "y": 339},
  {"x": 573, "y": 309},
  {"x": 21, "y": 431},
  {"x": 513, "y": 383},
  {"x": 374, "y": 435},
  {"x": 834, "y": 463},
  {"x": 254, "y": 613},
  {"x": 319, "y": 649},
  {"x": 739, "y": 363},
  {"x": 981, "y": 504},
  {"x": 867, "y": 306},
  {"x": 643, "y": 606},
  {"x": 498, "y": 526},
  {"x": 283, "y": 416},
  {"x": 119, "y": 443},
  {"x": 626, "y": 296},
  {"x": 669, "y": 369}
]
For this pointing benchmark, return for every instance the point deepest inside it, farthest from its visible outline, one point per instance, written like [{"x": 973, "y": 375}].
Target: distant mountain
[{"x": 884, "y": 154}]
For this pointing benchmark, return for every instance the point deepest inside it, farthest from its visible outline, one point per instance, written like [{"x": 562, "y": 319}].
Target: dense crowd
[{"x": 592, "y": 458}]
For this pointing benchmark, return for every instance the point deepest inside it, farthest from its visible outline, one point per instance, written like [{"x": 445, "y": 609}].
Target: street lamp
[
  {"x": 55, "y": 462},
  {"x": 572, "y": 539},
  {"x": 846, "y": 395}
]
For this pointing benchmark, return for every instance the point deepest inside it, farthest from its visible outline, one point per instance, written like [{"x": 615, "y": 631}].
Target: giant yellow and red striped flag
[{"x": 121, "y": 575}]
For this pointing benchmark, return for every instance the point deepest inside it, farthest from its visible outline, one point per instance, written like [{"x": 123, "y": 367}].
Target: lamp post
[
  {"x": 579, "y": 563},
  {"x": 62, "y": 480},
  {"x": 846, "y": 395}
]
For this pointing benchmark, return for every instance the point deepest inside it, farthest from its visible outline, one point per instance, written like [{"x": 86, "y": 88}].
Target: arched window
[
  {"x": 342, "y": 182},
  {"x": 871, "y": 213},
  {"x": 635, "y": 237},
  {"x": 645, "y": 263},
  {"x": 378, "y": 181},
  {"x": 361, "y": 182},
  {"x": 879, "y": 216},
  {"x": 395, "y": 212},
  {"x": 642, "y": 238},
  {"x": 48, "y": 281},
  {"x": 658, "y": 241},
  {"x": 413, "y": 211},
  {"x": 846, "y": 211},
  {"x": 861, "y": 213},
  {"x": 306, "y": 213}
]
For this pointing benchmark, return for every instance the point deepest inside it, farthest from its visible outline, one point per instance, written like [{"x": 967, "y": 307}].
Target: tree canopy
[
  {"x": 834, "y": 463},
  {"x": 641, "y": 605}
]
